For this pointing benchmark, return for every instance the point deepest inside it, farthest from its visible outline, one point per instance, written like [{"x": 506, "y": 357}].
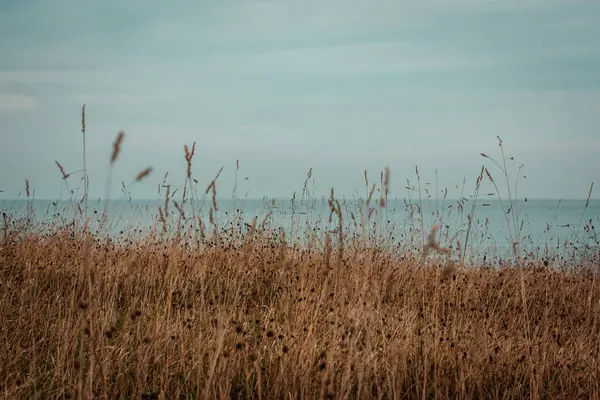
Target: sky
[{"x": 338, "y": 86}]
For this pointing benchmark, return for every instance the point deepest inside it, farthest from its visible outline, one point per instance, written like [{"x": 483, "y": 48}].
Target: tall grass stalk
[
  {"x": 85, "y": 174},
  {"x": 471, "y": 216},
  {"x": 513, "y": 228},
  {"x": 420, "y": 208}
]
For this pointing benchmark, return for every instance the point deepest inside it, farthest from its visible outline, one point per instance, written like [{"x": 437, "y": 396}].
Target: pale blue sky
[{"x": 283, "y": 86}]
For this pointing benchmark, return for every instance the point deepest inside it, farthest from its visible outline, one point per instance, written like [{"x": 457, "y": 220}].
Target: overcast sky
[{"x": 283, "y": 86}]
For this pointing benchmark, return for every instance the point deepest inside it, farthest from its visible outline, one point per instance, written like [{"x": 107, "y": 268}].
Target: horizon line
[{"x": 495, "y": 198}]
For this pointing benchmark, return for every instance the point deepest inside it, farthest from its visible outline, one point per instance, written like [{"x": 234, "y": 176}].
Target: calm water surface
[{"x": 542, "y": 225}]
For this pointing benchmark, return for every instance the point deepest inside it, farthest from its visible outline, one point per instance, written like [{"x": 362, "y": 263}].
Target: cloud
[
  {"x": 30, "y": 76},
  {"x": 10, "y": 102},
  {"x": 335, "y": 84},
  {"x": 358, "y": 59}
]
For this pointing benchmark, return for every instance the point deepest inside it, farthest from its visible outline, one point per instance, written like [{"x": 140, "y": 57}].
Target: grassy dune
[
  {"x": 247, "y": 314},
  {"x": 264, "y": 320}
]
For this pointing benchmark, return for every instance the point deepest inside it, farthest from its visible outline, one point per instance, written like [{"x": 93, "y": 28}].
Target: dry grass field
[
  {"x": 252, "y": 315},
  {"x": 268, "y": 321}
]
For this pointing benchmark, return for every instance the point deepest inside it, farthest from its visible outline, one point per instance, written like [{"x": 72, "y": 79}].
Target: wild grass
[
  {"x": 268, "y": 320},
  {"x": 196, "y": 311}
]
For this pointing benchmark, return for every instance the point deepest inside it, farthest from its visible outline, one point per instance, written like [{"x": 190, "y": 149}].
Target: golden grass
[
  {"x": 251, "y": 315},
  {"x": 264, "y": 320}
]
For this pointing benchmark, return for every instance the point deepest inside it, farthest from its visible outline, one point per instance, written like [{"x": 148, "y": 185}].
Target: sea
[{"x": 543, "y": 228}]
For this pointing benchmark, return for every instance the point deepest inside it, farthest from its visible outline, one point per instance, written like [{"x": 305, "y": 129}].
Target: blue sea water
[{"x": 544, "y": 228}]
